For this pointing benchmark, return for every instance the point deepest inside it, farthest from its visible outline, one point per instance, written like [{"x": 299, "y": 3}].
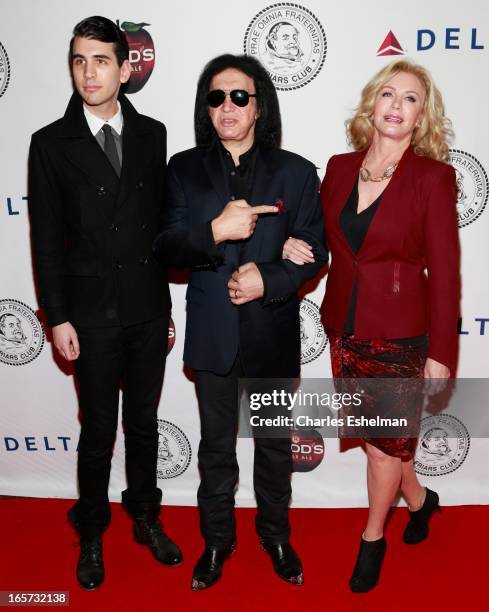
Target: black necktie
[{"x": 110, "y": 148}]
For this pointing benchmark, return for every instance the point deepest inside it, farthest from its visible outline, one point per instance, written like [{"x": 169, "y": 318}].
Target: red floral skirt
[{"x": 353, "y": 358}]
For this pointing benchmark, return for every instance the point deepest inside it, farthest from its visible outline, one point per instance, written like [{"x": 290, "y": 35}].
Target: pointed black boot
[
  {"x": 208, "y": 569},
  {"x": 417, "y": 529},
  {"x": 367, "y": 568},
  {"x": 286, "y": 562},
  {"x": 90, "y": 568}
]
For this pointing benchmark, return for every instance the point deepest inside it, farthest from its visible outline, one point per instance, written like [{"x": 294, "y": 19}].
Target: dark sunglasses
[{"x": 240, "y": 97}]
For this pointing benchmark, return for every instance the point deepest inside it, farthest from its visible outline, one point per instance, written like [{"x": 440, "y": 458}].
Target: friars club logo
[
  {"x": 171, "y": 336},
  {"x": 174, "y": 451},
  {"x": 290, "y": 42},
  {"x": 313, "y": 336},
  {"x": 390, "y": 46},
  {"x": 307, "y": 450},
  {"x": 21, "y": 333},
  {"x": 141, "y": 54},
  {"x": 4, "y": 70},
  {"x": 472, "y": 186},
  {"x": 443, "y": 445}
]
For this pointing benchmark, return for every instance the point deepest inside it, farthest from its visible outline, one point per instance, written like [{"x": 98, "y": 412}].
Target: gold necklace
[{"x": 366, "y": 176}]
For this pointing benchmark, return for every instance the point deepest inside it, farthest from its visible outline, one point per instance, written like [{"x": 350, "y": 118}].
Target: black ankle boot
[
  {"x": 417, "y": 529},
  {"x": 90, "y": 568},
  {"x": 367, "y": 568},
  {"x": 208, "y": 569},
  {"x": 149, "y": 532},
  {"x": 286, "y": 562}
]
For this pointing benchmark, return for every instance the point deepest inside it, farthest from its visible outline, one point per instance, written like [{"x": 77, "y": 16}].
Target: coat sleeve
[
  {"x": 47, "y": 228},
  {"x": 443, "y": 264},
  {"x": 283, "y": 278},
  {"x": 180, "y": 245}
]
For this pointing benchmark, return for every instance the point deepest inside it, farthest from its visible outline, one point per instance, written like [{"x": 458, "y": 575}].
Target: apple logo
[
  {"x": 171, "y": 336},
  {"x": 307, "y": 447},
  {"x": 141, "y": 54}
]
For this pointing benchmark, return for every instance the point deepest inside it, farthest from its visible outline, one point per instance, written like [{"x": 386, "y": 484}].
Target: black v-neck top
[{"x": 355, "y": 227}]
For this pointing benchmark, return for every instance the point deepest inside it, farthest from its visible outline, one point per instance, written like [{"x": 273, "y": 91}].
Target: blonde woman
[{"x": 392, "y": 294}]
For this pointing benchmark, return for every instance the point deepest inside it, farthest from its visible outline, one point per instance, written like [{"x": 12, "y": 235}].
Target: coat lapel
[
  {"x": 215, "y": 171},
  {"x": 262, "y": 192},
  {"x": 344, "y": 184},
  {"x": 387, "y": 213},
  {"x": 82, "y": 149},
  {"x": 137, "y": 152},
  {"x": 342, "y": 189},
  {"x": 262, "y": 179},
  {"x": 86, "y": 154}
]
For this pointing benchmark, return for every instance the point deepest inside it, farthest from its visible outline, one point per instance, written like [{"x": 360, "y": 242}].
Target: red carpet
[{"x": 447, "y": 572}]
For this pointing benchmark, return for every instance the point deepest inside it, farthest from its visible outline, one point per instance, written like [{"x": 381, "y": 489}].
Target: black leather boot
[
  {"x": 208, "y": 569},
  {"x": 417, "y": 529},
  {"x": 286, "y": 562},
  {"x": 367, "y": 568},
  {"x": 147, "y": 528},
  {"x": 90, "y": 568},
  {"x": 149, "y": 532}
]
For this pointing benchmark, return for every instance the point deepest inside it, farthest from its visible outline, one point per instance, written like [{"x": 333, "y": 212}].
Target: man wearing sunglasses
[{"x": 231, "y": 203}]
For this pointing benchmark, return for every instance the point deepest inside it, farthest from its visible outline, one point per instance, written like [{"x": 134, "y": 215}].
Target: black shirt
[{"x": 240, "y": 177}]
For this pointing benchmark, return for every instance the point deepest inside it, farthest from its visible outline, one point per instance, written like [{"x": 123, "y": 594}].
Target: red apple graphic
[
  {"x": 307, "y": 447},
  {"x": 141, "y": 54},
  {"x": 171, "y": 336}
]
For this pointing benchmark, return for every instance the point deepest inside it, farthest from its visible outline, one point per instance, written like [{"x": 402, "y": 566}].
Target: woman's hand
[
  {"x": 298, "y": 251},
  {"x": 436, "y": 375}
]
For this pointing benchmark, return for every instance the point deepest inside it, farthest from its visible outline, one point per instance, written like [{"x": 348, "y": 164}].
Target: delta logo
[
  {"x": 390, "y": 46},
  {"x": 141, "y": 54},
  {"x": 426, "y": 39}
]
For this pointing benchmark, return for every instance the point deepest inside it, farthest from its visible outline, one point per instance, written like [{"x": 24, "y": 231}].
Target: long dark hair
[{"x": 268, "y": 128}]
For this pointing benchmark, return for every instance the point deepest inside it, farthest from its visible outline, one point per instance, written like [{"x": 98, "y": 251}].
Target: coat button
[
  {"x": 117, "y": 265},
  {"x": 114, "y": 227},
  {"x": 139, "y": 185},
  {"x": 144, "y": 226},
  {"x": 101, "y": 191},
  {"x": 355, "y": 263}
]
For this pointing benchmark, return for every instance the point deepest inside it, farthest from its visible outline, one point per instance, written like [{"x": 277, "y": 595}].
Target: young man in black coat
[{"x": 96, "y": 192}]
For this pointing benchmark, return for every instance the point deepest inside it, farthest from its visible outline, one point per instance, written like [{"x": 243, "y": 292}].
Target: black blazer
[
  {"x": 92, "y": 232},
  {"x": 265, "y": 331}
]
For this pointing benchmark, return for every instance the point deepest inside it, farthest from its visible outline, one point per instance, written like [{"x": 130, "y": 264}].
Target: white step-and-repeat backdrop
[{"x": 342, "y": 45}]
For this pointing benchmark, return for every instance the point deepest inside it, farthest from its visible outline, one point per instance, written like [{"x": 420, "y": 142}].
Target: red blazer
[{"x": 408, "y": 266}]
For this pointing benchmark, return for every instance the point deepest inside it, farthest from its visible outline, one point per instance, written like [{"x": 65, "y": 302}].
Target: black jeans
[
  {"x": 219, "y": 415},
  {"x": 110, "y": 358}
]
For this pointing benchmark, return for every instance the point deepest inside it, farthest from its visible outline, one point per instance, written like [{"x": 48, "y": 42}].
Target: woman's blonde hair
[{"x": 429, "y": 139}]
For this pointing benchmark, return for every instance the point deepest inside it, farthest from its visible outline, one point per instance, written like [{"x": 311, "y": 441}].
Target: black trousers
[
  {"x": 219, "y": 416},
  {"x": 132, "y": 358}
]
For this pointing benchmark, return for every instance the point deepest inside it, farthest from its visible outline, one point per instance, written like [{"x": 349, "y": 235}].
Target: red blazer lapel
[
  {"x": 390, "y": 211},
  {"x": 335, "y": 192}
]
